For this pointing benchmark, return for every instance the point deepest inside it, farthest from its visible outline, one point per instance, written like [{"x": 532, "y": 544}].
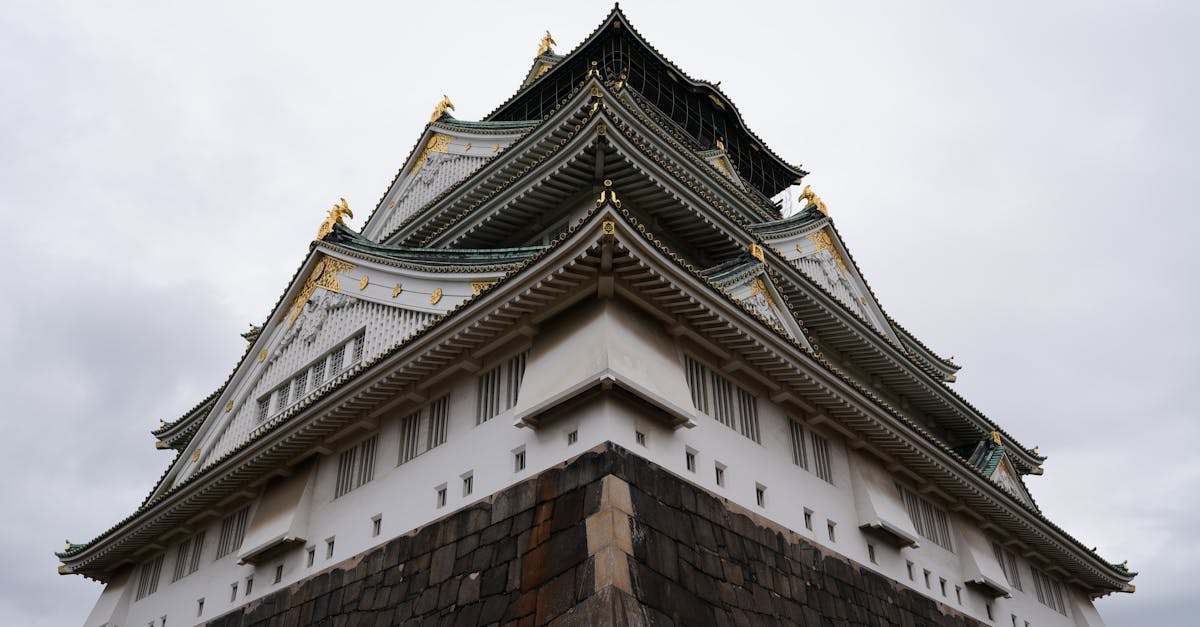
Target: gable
[
  {"x": 749, "y": 283},
  {"x": 347, "y": 310},
  {"x": 448, "y": 152},
  {"x": 817, "y": 250}
]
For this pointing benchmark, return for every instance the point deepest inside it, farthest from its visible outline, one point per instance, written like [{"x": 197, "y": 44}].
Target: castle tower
[{"x": 578, "y": 368}]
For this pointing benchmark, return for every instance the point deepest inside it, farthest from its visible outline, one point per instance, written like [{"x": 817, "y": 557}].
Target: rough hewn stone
[{"x": 607, "y": 539}]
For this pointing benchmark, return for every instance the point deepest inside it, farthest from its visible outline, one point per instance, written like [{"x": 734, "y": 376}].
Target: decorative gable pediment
[
  {"x": 749, "y": 284},
  {"x": 356, "y": 301},
  {"x": 449, "y": 151},
  {"x": 1004, "y": 477},
  {"x": 814, "y": 246}
]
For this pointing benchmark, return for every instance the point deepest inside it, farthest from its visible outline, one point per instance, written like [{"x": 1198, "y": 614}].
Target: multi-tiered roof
[{"x": 609, "y": 171}]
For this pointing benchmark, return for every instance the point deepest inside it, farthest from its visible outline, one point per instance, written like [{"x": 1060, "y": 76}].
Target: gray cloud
[{"x": 1011, "y": 178}]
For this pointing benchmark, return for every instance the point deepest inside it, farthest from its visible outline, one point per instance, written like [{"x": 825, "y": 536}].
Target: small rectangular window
[
  {"x": 468, "y": 484},
  {"x": 233, "y": 588},
  {"x": 808, "y": 519},
  {"x": 689, "y": 459},
  {"x": 376, "y": 525},
  {"x": 441, "y": 495},
  {"x": 720, "y": 471},
  {"x": 519, "y": 459},
  {"x": 200, "y": 607},
  {"x": 249, "y": 587},
  {"x": 329, "y": 547},
  {"x": 572, "y": 437},
  {"x": 958, "y": 594},
  {"x": 871, "y": 553},
  {"x": 911, "y": 576},
  {"x": 927, "y": 583},
  {"x": 831, "y": 527},
  {"x": 942, "y": 585},
  {"x": 1014, "y": 620},
  {"x": 640, "y": 437},
  {"x": 760, "y": 494},
  {"x": 278, "y": 573},
  {"x": 311, "y": 557},
  {"x": 988, "y": 607}
]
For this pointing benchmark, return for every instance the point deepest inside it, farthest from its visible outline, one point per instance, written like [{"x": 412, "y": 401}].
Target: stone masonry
[{"x": 605, "y": 539}]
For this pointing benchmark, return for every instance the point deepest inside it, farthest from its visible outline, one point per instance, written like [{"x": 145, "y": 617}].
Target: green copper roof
[{"x": 433, "y": 258}]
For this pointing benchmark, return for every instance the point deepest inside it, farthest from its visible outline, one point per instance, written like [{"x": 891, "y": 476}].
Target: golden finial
[
  {"x": 544, "y": 47},
  {"x": 813, "y": 200},
  {"x": 996, "y": 437},
  {"x": 1035, "y": 452},
  {"x": 1125, "y": 565},
  {"x": 339, "y": 211},
  {"x": 68, "y": 547},
  {"x": 441, "y": 108}
]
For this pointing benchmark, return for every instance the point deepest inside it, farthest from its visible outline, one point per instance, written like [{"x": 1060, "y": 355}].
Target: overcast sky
[{"x": 1016, "y": 181}]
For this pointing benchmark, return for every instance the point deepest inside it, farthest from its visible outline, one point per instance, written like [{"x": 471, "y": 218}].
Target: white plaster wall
[{"x": 405, "y": 497}]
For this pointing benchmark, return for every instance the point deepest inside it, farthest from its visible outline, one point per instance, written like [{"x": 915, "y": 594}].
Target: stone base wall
[{"x": 606, "y": 539}]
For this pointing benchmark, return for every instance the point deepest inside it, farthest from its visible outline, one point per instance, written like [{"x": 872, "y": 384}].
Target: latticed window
[
  {"x": 439, "y": 417},
  {"x": 1008, "y": 564},
  {"x": 822, "y": 465},
  {"x": 233, "y": 531},
  {"x": 799, "y": 454},
  {"x": 748, "y": 414},
  {"x": 311, "y": 377},
  {"x": 356, "y": 466},
  {"x": 1049, "y": 591},
  {"x": 930, "y": 521},
  {"x": 498, "y": 388},
  {"x": 410, "y": 437},
  {"x": 187, "y": 558},
  {"x": 697, "y": 380},
  {"x": 718, "y": 397},
  {"x": 148, "y": 578}
]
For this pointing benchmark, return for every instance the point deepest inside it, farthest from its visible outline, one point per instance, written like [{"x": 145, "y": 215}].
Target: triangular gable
[
  {"x": 750, "y": 284},
  {"x": 1004, "y": 477},
  {"x": 343, "y": 309},
  {"x": 719, "y": 160},
  {"x": 448, "y": 151},
  {"x": 815, "y": 247}
]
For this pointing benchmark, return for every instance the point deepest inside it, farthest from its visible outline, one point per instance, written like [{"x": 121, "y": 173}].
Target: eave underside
[{"x": 656, "y": 281}]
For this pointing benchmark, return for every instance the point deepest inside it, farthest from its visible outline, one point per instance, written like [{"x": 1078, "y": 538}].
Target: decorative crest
[
  {"x": 720, "y": 143},
  {"x": 756, "y": 251},
  {"x": 813, "y": 200},
  {"x": 608, "y": 194},
  {"x": 546, "y": 44},
  {"x": 441, "y": 108},
  {"x": 996, "y": 437},
  {"x": 339, "y": 211}
]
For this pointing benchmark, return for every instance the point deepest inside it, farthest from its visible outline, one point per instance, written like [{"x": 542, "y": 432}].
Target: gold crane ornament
[
  {"x": 339, "y": 211},
  {"x": 441, "y": 108},
  {"x": 813, "y": 200},
  {"x": 546, "y": 44}
]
